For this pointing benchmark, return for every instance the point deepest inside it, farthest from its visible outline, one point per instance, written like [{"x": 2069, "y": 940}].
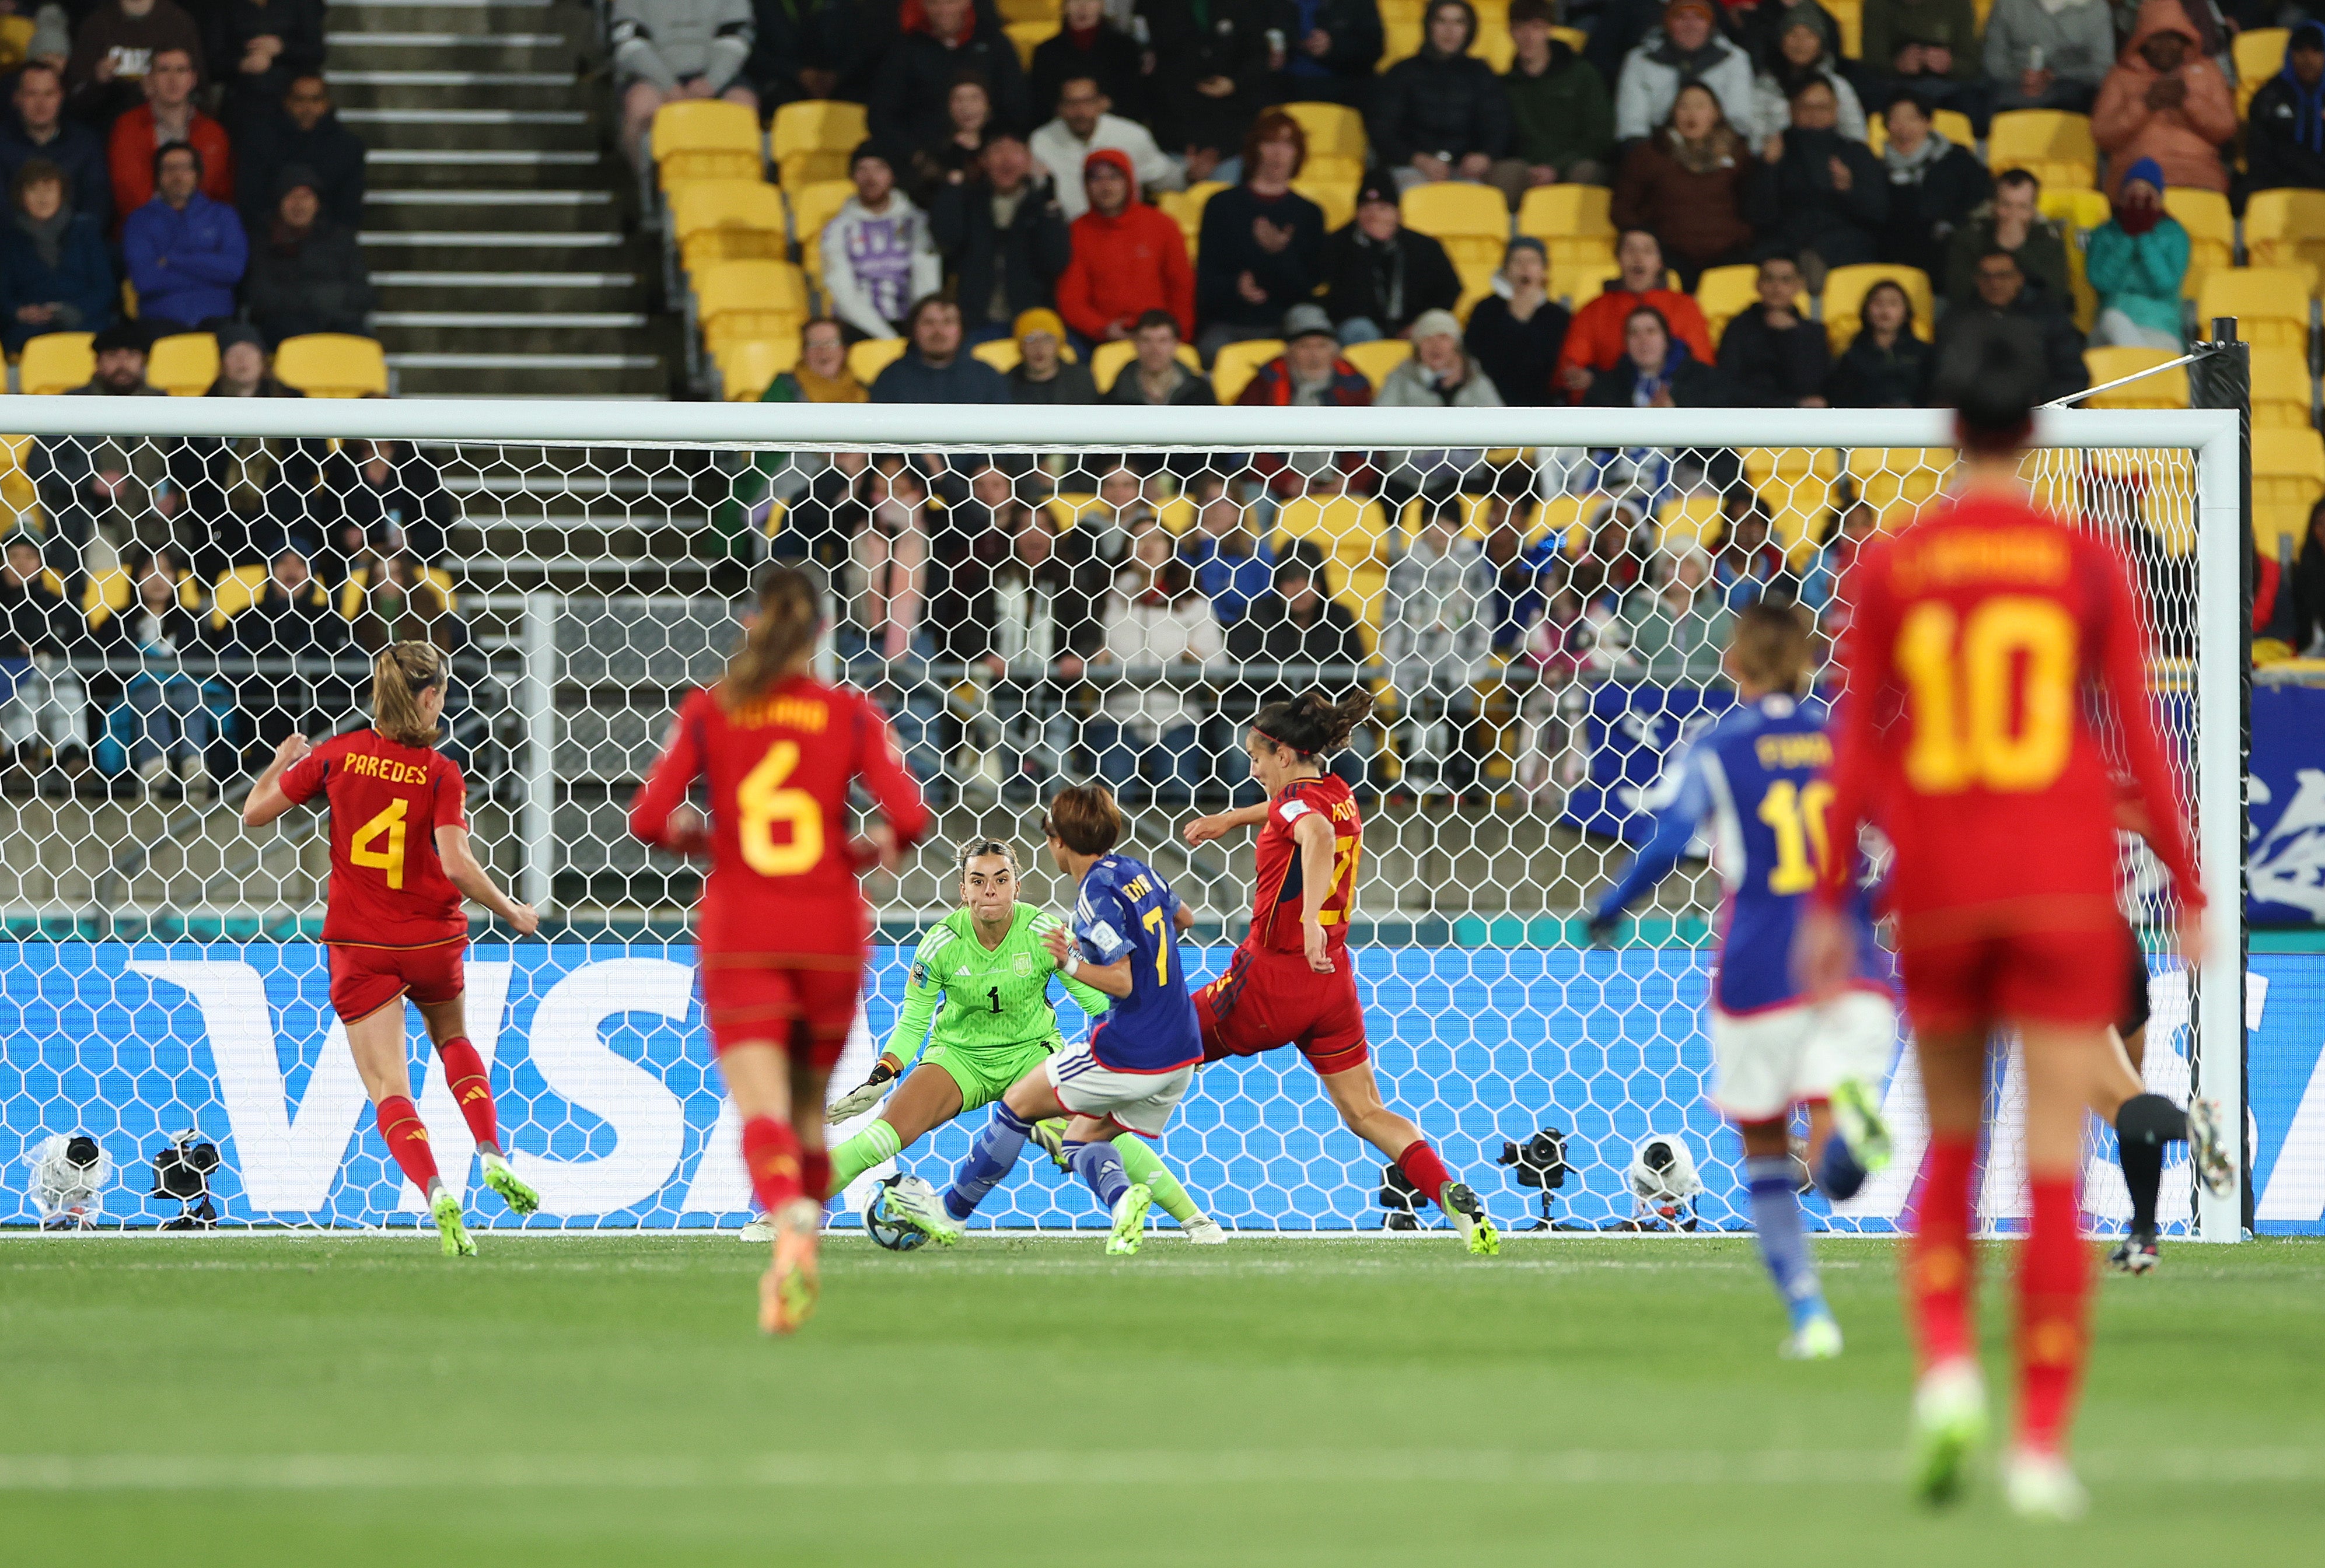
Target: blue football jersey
[
  {"x": 1126, "y": 909},
  {"x": 1756, "y": 779}
]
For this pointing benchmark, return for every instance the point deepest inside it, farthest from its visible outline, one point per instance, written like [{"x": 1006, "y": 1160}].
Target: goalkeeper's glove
[
  {"x": 1601, "y": 928},
  {"x": 867, "y": 1093}
]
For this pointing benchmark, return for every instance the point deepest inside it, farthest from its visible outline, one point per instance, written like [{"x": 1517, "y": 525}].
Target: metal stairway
[{"x": 498, "y": 222}]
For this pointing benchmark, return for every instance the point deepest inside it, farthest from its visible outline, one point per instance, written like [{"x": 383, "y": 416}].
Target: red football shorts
[
  {"x": 364, "y": 980},
  {"x": 2042, "y": 977},
  {"x": 1268, "y": 999},
  {"x": 745, "y": 999}
]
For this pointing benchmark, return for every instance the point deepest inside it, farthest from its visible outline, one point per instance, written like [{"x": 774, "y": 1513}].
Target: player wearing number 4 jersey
[
  {"x": 400, "y": 863},
  {"x": 1753, "y": 777},
  {"x": 783, "y": 925},
  {"x": 1292, "y": 984},
  {"x": 1988, "y": 644}
]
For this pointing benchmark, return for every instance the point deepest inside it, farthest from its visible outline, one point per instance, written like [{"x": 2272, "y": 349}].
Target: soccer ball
[{"x": 887, "y": 1232}]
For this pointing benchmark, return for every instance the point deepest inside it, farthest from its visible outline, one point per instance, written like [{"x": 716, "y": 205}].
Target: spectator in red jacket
[
  {"x": 1128, "y": 258},
  {"x": 168, "y": 115},
  {"x": 1596, "y": 340}
]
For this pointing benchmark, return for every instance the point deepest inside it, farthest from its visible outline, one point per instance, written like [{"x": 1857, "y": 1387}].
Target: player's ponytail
[
  {"x": 1313, "y": 724},
  {"x": 781, "y": 636},
  {"x": 398, "y": 675}
]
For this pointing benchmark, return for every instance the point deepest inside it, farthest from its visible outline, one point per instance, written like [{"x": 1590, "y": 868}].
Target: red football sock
[
  {"x": 1942, "y": 1270},
  {"x": 770, "y": 1153},
  {"x": 2055, "y": 1282},
  {"x": 1424, "y": 1170},
  {"x": 472, "y": 1090},
  {"x": 407, "y": 1139},
  {"x": 815, "y": 1174}
]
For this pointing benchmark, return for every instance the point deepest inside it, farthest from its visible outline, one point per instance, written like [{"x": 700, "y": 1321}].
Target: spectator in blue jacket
[
  {"x": 55, "y": 275},
  {"x": 934, "y": 369},
  {"x": 1232, "y": 564},
  {"x": 186, "y": 253}
]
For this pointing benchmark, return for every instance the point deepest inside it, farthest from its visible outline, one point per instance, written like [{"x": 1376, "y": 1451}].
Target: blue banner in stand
[
  {"x": 1630, "y": 734},
  {"x": 611, "y": 1105},
  {"x": 2286, "y": 815}
]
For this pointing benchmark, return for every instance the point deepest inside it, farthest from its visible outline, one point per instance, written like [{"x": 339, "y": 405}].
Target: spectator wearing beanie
[
  {"x": 1803, "y": 56},
  {"x": 1441, "y": 113},
  {"x": 668, "y": 50},
  {"x": 306, "y": 274},
  {"x": 1379, "y": 275},
  {"x": 1330, "y": 50},
  {"x": 2285, "y": 143},
  {"x": 1562, "y": 119},
  {"x": 936, "y": 41},
  {"x": 186, "y": 253},
  {"x": 113, "y": 48},
  {"x": 1687, "y": 49},
  {"x": 256, "y": 47},
  {"x": 2137, "y": 260},
  {"x": 1309, "y": 374},
  {"x": 1043, "y": 374},
  {"x": 1128, "y": 258},
  {"x": 1515, "y": 332},
  {"x": 40, "y": 128},
  {"x": 1262, "y": 248},
  {"x": 1003, "y": 238},
  {"x": 1087, "y": 45},
  {"x": 2164, "y": 100},
  {"x": 55, "y": 273},
  {"x": 168, "y": 115},
  {"x": 877, "y": 252},
  {"x": 304, "y": 130},
  {"x": 1214, "y": 70}
]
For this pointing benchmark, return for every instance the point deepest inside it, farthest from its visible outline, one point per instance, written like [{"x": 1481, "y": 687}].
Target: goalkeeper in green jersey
[{"x": 983, "y": 975}]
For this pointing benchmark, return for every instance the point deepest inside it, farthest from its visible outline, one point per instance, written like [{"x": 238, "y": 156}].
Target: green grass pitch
[{"x": 341, "y": 1403}]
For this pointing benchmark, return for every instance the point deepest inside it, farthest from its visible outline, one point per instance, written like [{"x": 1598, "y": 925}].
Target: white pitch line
[{"x": 661, "y": 1471}]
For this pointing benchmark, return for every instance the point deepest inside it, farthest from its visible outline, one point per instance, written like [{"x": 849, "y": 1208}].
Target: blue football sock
[
  {"x": 1100, "y": 1165},
  {"x": 992, "y": 1156},
  {"x": 1838, "y": 1177},
  {"x": 1783, "y": 1244}
]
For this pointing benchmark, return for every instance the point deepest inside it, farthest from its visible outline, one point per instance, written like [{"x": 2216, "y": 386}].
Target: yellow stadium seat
[
  {"x": 812, "y": 138},
  {"x": 1726, "y": 292},
  {"x": 1377, "y": 359},
  {"x": 2165, "y": 389},
  {"x": 2288, "y": 480},
  {"x": 868, "y": 358},
  {"x": 236, "y": 590},
  {"x": 2271, "y": 305},
  {"x": 2074, "y": 208},
  {"x": 332, "y": 364},
  {"x": 1897, "y": 482},
  {"x": 2283, "y": 395},
  {"x": 1336, "y": 148},
  {"x": 1572, "y": 222},
  {"x": 183, "y": 364},
  {"x": 1028, "y": 36},
  {"x": 1951, "y": 124},
  {"x": 1845, "y": 288},
  {"x": 108, "y": 594},
  {"x": 1579, "y": 282},
  {"x": 1472, "y": 222},
  {"x": 1688, "y": 521},
  {"x": 1107, "y": 360},
  {"x": 2259, "y": 55},
  {"x": 2051, "y": 144},
  {"x": 1236, "y": 363},
  {"x": 351, "y": 595},
  {"x": 57, "y": 362},
  {"x": 705, "y": 139},
  {"x": 2285, "y": 229},
  {"x": 1477, "y": 282},
  {"x": 813, "y": 207},
  {"x": 1002, "y": 354},
  {"x": 1185, "y": 207},
  {"x": 1575, "y": 39},
  {"x": 746, "y": 365},
  {"x": 16, "y": 492},
  {"x": 1337, "y": 197},
  {"x": 1351, "y": 529},
  {"x": 738, "y": 301},
  {"x": 729, "y": 220},
  {"x": 1850, "y": 15},
  {"x": 2211, "y": 232}
]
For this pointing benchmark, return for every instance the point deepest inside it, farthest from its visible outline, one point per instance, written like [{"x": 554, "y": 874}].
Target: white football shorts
[
  {"x": 1142, "y": 1102},
  {"x": 1765, "y": 1062}
]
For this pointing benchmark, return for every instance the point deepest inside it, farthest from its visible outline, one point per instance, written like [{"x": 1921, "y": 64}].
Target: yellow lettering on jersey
[
  {"x": 379, "y": 842},
  {"x": 1344, "y": 811},
  {"x": 2024, "y": 554},
  {"x": 1136, "y": 887},
  {"x": 1812, "y": 751},
  {"x": 811, "y": 715},
  {"x": 365, "y": 765}
]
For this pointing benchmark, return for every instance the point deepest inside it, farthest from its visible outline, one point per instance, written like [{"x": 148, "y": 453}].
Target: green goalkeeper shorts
[{"x": 985, "y": 1075}]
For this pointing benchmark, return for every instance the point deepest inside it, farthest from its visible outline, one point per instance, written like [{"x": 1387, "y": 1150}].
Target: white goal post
[{"x": 573, "y": 1068}]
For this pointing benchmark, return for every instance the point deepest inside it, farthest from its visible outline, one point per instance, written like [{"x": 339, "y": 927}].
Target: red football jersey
[
  {"x": 387, "y": 799},
  {"x": 1280, "y": 893},
  {"x": 782, "y": 876},
  {"x": 1988, "y": 643}
]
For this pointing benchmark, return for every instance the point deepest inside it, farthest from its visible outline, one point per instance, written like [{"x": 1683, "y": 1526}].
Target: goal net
[{"x": 1537, "y": 599}]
